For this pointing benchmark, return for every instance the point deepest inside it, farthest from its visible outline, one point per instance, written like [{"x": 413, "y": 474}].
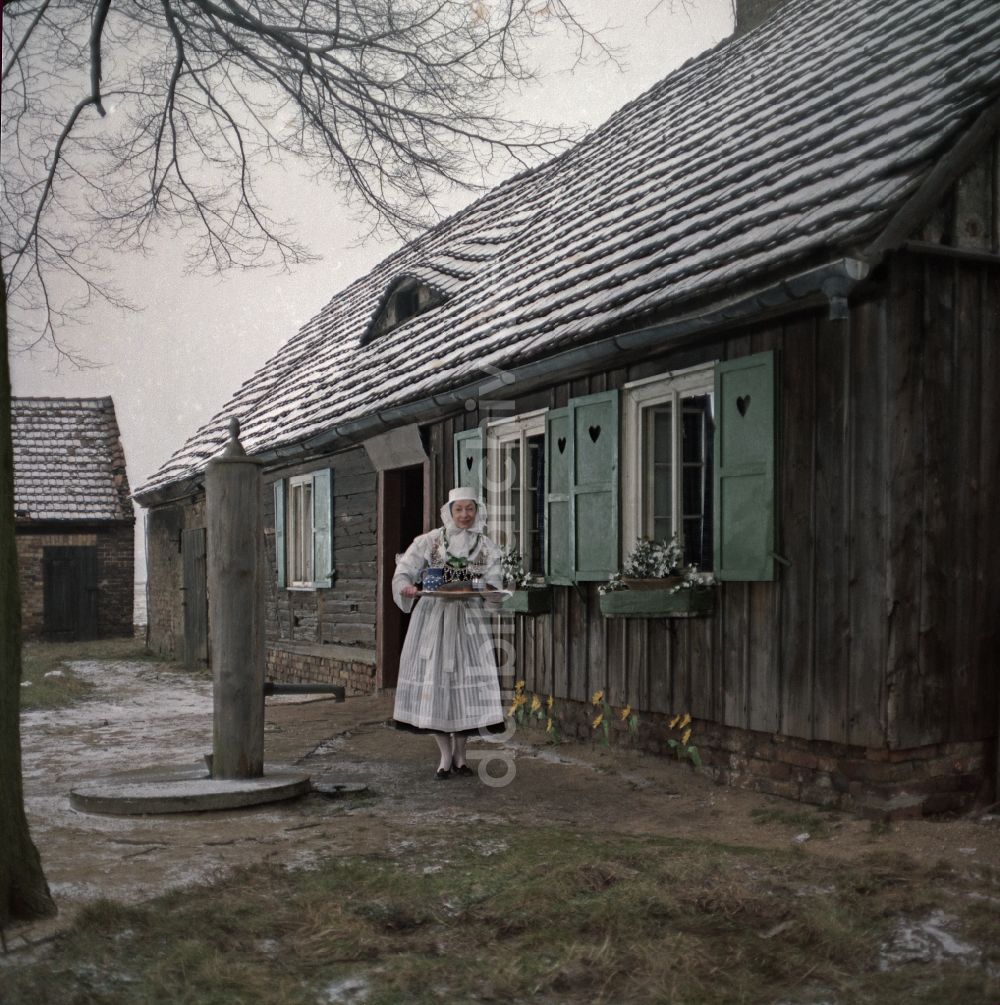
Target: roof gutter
[{"x": 832, "y": 282}]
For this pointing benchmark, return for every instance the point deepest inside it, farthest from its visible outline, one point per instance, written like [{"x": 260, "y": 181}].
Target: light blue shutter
[
  {"x": 558, "y": 553},
  {"x": 745, "y": 450},
  {"x": 279, "y": 530},
  {"x": 322, "y": 497},
  {"x": 593, "y": 469},
  {"x": 469, "y": 460}
]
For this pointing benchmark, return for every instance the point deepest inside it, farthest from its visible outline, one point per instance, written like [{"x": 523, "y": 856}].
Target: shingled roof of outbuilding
[
  {"x": 69, "y": 463},
  {"x": 783, "y": 148}
]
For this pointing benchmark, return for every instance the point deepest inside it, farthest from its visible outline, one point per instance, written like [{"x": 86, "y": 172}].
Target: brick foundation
[
  {"x": 878, "y": 783},
  {"x": 295, "y": 663}
]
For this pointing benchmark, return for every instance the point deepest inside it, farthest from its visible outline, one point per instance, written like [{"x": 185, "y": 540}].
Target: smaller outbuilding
[{"x": 73, "y": 519}]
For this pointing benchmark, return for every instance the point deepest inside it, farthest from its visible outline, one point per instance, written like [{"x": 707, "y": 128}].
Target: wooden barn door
[
  {"x": 70, "y": 592},
  {"x": 400, "y": 520},
  {"x": 193, "y": 557}
]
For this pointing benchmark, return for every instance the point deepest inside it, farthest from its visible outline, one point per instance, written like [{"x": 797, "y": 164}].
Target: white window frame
[
  {"x": 640, "y": 395},
  {"x": 299, "y": 544},
  {"x": 516, "y": 429}
]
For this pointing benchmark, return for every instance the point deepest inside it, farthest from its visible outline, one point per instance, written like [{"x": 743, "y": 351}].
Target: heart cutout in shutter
[
  {"x": 561, "y": 444},
  {"x": 595, "y": 432},
  {"x": 742, "y": 404},
  {"x": 469, "y": 462}
]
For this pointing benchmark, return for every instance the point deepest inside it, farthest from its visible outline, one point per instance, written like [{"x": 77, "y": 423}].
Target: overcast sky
[{"x": 172, "y": 366}]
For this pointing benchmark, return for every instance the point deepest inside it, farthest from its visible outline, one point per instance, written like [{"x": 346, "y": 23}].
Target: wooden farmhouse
[
  {"x": 73, "y": 519},
  {"x": 758, "y": 310}
]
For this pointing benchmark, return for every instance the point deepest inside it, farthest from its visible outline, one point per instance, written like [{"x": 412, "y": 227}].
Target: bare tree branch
[
  {"x": 393, "y": 102},
  {"x": 12, "y": 62},
  {"x": 100, "y": 16}
]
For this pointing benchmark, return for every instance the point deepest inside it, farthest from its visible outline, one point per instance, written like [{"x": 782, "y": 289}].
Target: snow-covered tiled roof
[
  {"x": 789, "y": 145},
  {"x": 68, "y": 460}
]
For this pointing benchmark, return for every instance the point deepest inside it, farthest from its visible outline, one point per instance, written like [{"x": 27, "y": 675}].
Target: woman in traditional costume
[{"x": 448, "y": 684}]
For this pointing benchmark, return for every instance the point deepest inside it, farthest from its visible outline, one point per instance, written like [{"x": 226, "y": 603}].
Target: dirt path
[{"x": 145, "y": 714}]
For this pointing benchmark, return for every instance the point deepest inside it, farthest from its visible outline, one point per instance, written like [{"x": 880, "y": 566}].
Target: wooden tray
[{"x": 464, "y": 593}]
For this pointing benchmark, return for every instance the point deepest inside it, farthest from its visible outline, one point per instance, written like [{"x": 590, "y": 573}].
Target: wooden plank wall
[
  {"x": 882, "y": 627},
  {"x": 969, "y": 214},
  {"x": 944, "y": 539},
  {"x": 344, "y": 614}
]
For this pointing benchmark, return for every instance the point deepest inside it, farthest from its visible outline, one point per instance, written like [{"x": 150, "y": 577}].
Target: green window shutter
[
  {"x": 745, "y": 445},
  {"x": 322, "y": 497},
  {"x": 593, "y": 470},
  {"x": 469, "y": 460},
  {"x": 558, "y": 553},
  {"x": 279, "y": 530}
]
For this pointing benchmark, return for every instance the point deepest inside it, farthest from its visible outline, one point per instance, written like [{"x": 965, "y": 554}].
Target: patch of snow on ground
[
  {"x": 139, "y": 715},
  {"x": 926, "y": 941},
  {"x": 349, "y": 990}
]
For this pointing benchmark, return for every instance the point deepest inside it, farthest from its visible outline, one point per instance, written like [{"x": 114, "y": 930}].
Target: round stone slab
[{"x": 166, "y": 789}]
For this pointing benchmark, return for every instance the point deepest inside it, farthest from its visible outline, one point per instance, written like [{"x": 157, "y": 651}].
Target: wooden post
[{"x": 236, "y": 610}]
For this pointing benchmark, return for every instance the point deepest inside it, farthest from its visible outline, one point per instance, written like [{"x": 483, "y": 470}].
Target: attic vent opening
[{"x": 404, "y": 300}]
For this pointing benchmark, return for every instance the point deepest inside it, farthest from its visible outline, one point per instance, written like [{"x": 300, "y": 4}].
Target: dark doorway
[
  {"x": 70, "y": 592},
  {"x": 195, "y": 572},
  {"x": 401, "y": 519}
]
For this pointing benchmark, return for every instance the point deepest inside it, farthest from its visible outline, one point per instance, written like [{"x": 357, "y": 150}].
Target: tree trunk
[{"x": 24, "y": 893}]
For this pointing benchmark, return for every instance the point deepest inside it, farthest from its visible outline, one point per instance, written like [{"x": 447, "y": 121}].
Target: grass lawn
[{"x": 484, "y": 913}]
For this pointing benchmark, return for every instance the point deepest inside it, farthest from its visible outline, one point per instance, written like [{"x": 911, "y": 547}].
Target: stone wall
[
  {"x": 878, "y": 783},
  {"x": 115, "y": 573}
]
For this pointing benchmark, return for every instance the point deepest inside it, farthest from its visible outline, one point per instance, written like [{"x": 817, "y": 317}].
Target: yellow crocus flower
[
  {"x": 686, "y": 720},
  {"x": 598, "y": 719},
  {"x": 519, "y": 686},
  {"x": 686, "y": 736},
  {"x": 598, "y": 698},
  {"x": 625, "y": 712},
  {"x": 536, "y": 703},
  {"x": 518, "y": 701},
  {"x": 549, "y": 725},
  {"x": 549, "y": 703}
]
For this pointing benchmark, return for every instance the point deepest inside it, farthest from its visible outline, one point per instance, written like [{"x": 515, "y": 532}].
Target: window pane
[
  {"x": 697, "y": 479},
  {"x": 511, "y": 521},
  {"x": 658, "y": 476},
  {"x": 300, "y": 545},
  {"x": 535, "y": 500},
  {"x": 294, "y": 492},
  {"x": 307, "y": 543}
]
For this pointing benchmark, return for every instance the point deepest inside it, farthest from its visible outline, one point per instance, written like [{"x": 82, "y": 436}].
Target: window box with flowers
[
  {"x": 653, "y": 583},
  {"x": 528, "y": 596}
]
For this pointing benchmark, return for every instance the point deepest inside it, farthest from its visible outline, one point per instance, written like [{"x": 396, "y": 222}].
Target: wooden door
[
  {"x": 400, "y": 520},
  {"x": 70, "y": 592},
  {"x": 195, "y": 591}
]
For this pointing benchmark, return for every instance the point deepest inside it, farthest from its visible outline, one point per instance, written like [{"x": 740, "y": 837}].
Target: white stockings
[{"x": 452, "y": 750}]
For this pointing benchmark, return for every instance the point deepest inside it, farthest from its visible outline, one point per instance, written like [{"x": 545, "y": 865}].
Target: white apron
[{"x": 447, "y": 671}]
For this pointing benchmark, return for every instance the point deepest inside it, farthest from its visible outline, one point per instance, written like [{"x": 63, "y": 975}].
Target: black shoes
[{"x": 458, "y": 770}]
